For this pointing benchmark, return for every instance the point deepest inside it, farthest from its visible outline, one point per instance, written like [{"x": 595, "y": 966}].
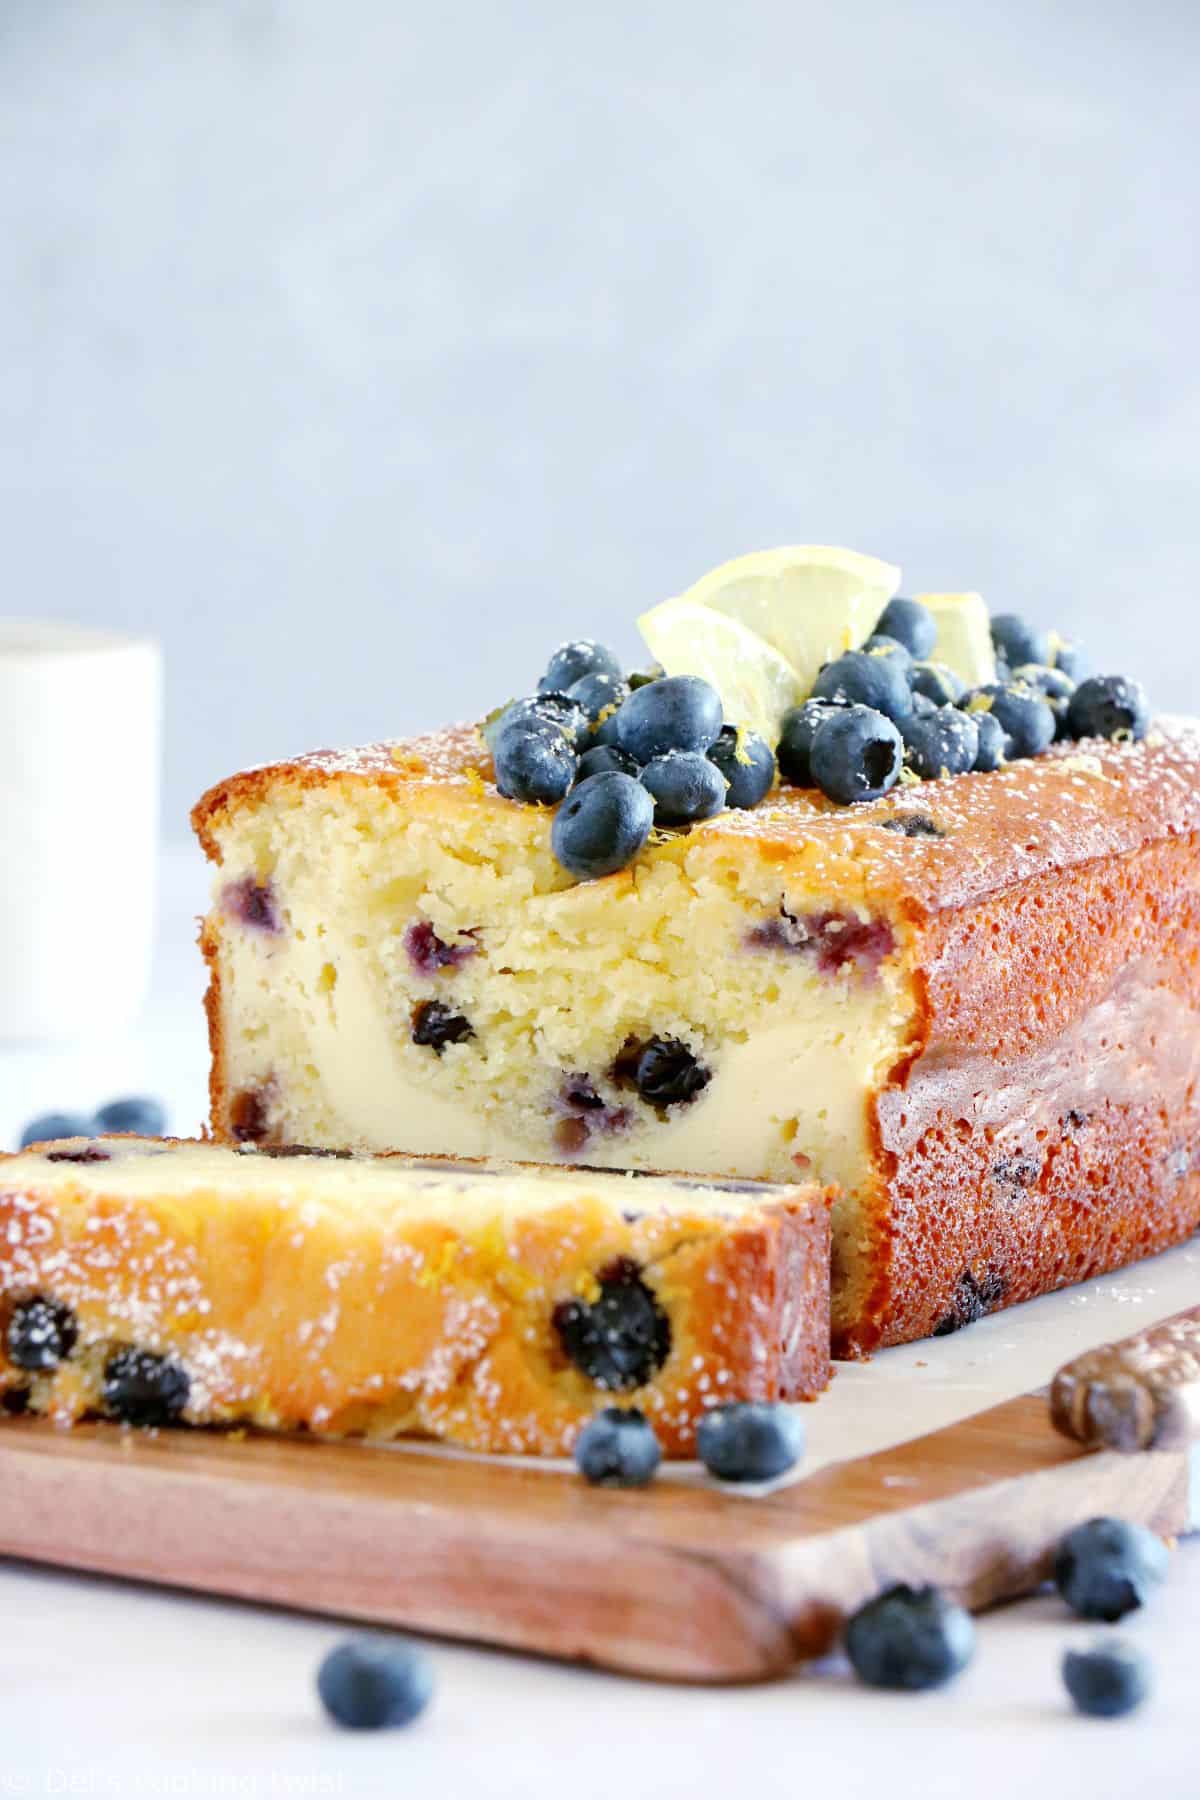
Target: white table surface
[{"x": 111, "y": 1689}]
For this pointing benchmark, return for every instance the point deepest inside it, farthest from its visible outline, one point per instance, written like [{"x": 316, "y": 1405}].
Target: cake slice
[
  {"x": 973, "y": 1004},
  {"x": 489, "y": 1305}
]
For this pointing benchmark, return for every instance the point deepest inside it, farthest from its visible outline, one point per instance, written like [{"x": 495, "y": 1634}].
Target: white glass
[{"x": 80, "y": 722}]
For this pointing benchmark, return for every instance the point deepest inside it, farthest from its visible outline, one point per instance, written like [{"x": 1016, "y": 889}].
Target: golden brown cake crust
[
  {"x": 1047, "y": 1126},
  {"x": 291, "y": 1312},
  {"x": 1075, "y": 804}
]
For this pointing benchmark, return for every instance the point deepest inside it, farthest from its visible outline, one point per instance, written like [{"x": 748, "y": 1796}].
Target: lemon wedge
[
  {"x": 810, "y": 602},
  {"x": 756, "y": 684},
  {"x": 964, "y": 636}
]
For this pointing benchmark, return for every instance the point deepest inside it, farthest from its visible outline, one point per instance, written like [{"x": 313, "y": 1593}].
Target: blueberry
[
  {"x": 252, "y": 903},
  {"x": 1018, "y": 642},
  {"x": 534, "y": 761},
  {"x": 1050, "y": 682},
  {"x": 141, "y": 1115},
  {"x": 435, "y": 1025},
  {"x": 911, "y": 624},
  {"x": 942, "y": 742},
  {"x": 141, "y": 1388},
  {"x": 993, "y": 742},
  {"x": 603, "y": 824},
  {"x": 749, "y": 1441},
  {"x": 620, "y": 1339},
  {"x": 685, "y": 785},
  {"x": 912, "y": 825},
  {"x": 1108, "y": 1567},
  {"x": 937, "y": 683},
  {"x": 49, "y": 1126},
  {"x": 597, "y": 693},
  {"x": 571, "y": 662},
  {"x": 1108, "y": 1679},
  {"x": 796, "y": 731},
  {"x": 1066, "y": 655},
  {"x": 1022, "y": 713},
  {"x": 856, "y": 754},
  {"x": 1055, "y": 688},
  {"x": 680, "y": 712},
  {"x": 618, "y": 1448},
  {"x": 663, "y": 1070},
  {"x": 554, "y": 709},
  {"x": 1109, "y": 706},
  {"x": 881, "y": 645},
  {"x": 605, "y": 759},
  {"x": 41, "y": 1333},
  {"x": 866, "y": 678},
  {"x": 909, "y": 1638},
  {"x": 746, "y": 762},
  {"x": 367, "y": 1683}
]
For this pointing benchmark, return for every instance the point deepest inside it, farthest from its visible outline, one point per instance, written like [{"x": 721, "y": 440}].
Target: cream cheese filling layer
[{"x": 787, "y": 1098}]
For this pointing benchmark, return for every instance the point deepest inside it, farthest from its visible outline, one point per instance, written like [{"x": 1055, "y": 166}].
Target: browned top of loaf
[{"x": 1076, "y": 803}]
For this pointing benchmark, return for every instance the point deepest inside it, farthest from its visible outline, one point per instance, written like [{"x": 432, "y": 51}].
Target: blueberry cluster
[
  {"x": 886, "y": 709},
  {"x": 622, "y": 756},
  {"x": 139, "y": 1386},
  {"x": 618, "y": 756}
]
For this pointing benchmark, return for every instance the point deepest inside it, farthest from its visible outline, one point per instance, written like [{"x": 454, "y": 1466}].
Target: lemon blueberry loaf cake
[
  {"x": 493, "y": 1306},
  {"x": 948, "y": 959}
]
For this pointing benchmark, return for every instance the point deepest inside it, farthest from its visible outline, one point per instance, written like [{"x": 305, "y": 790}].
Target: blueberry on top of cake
[{"x": 920, "y": 690}]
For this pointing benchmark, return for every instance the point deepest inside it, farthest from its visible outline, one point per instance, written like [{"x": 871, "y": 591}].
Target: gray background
[{"x": 363, "y": 350}]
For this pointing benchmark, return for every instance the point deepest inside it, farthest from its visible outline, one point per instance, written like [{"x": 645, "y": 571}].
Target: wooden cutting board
[{"x": 682, "y": 1581}]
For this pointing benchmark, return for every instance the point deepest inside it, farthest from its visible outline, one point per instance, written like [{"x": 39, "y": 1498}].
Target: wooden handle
[{"x": 1141, "y": 1394}]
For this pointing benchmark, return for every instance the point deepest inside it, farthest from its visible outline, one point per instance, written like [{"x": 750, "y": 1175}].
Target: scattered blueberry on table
[
  {"x": 48, "y": 1126},
  {"x": 618, "y": 1448},
  {"x": 369, "y": 1683},
  {"x": 910, "y": 1639},
  {"x": 1106, "y": 1568},
  {"x": 1108, "y": 1679},
  {"x": 750, "y": 1441},
  {"x": 139, "y": 1115}
]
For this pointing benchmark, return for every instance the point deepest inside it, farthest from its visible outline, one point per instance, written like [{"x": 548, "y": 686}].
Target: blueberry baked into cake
[
  {"x": 875, "y": 892},
  {"x": 496, "y": 1307}
]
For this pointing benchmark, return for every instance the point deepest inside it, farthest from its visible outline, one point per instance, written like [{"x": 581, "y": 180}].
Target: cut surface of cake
[
  {"x": 488, "y": 1305},
  {"x": 974, "y": 1005}
]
